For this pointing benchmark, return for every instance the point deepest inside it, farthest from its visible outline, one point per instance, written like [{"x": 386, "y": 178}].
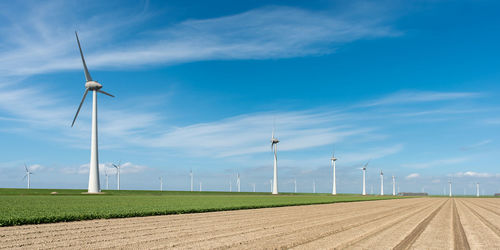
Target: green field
[{"x": 22, "y": 206}]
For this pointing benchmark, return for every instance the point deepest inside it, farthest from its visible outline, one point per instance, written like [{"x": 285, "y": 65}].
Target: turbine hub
[
  {"x": 334, "y": 159},
  {"x": 274, "y": 141},
  {"x": 93, "y": 85}
]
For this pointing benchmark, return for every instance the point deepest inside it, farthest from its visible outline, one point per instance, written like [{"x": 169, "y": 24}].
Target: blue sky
[{"x": 409, "y": 86}]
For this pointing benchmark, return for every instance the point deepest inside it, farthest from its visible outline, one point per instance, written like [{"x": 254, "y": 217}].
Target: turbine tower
[
  {"x": 271, "y": 184},
  {"x": 91, "y": 85},
  {"x": 294, "y": 185},
  {"x": 381, "y": 182},
  {"x": 118, "y": 174},
  {"x": 27, "y": 175},
  {"x": 393, "y": 186},
  {"x": 253, "y": 184},
  {"x": 274, "y": 146},
  {"x": 230, "y": 186},
  {"x": 238, "y": 183},
  {"x": 191, "y": 176},
  {"x": 364, "y": 178},
  {"x": 200, "y": 186},
  {"x": 449, "y": 183},
  {"x": 334, "y": 188},
  {"x": 314, "y": 186},
  {"x": 161, "y": 183},
  {"x": 477, "y": 189},
  {"x": 107, "y": 179}
]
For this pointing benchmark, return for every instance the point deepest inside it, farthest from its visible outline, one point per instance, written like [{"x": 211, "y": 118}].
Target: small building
[{"x": 497, "y": 194}]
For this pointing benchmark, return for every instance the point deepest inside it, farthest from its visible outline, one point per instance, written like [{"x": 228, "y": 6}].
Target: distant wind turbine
[
  {"x": 334, "y": 188},
  {"x": 238, "y": 183},
  {"x": 271, "y": 184},
  {"x": 161, "y": 183},
  {"x": 27, "y": 175},
  {"x": 191, "y": 176},
  {"x": 95, "y": 87},
  {"x": 381, "y": 182},
  {"x": 294, "y": 185},
  {"x": 449, "y": 182},
  {"x": 200, "y": 186},
  {"x": 314, "y": 186},
  {"x": 230, "y": 185},
  {"x": 274, "y": 146},
  {"x": 393, "y": 186},
  {"x": 253, "y": 184},
  {"x": 118, "y": 167},
  {"x": 477, "y": 189},
  {"x": 107, "y": 177},
  {"x": 364, "y": 178}
]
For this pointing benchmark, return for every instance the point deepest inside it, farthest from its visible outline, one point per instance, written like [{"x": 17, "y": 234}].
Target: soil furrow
[{"x": 460, "y": 238}]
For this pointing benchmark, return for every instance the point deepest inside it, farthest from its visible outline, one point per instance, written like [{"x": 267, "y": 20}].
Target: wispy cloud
[
  {"x": 420, "y": 96},
  {"x": 435, "y": 163},
  {"x": 476, "y": 145},
  {"x": 475, "y": 174},
  {"x": 125, "y": 168},
  {"x": 412, "y": 176},
  {"x": 269, "y": 32}
]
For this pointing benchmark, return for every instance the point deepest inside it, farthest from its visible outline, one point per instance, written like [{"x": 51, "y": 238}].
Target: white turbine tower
[
  {"x": 334, "y": 188},
  {"x": 381, "y": 182},
  {"x": 161, "y": 183},
  {"x": 477, "y": 189},
  {"x": 294, "y": 185},
  {"x": 393, "y": 186},
  {"x": 191, "y": 176},
  {"x": 253, "y": 184},
  {"x": 364, "y": 178},
  {"x": 91, "y": 85},
  {"x": 314, "y": 186},
  {"x": 238, "y": 183},
  {"x": 274, "y": 146},
  {"x": 200, "y": 186},
  {"x": 271, "y": 184},
  {"x": 118, "y": 167},
  {"x": 230, "y": 185},
  {"x": 449, "y": 182},
  {"x": 27, "y": 175}
]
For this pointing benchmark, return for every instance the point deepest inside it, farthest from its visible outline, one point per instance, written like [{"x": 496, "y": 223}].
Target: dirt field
[{"x": 424, "y": 223}]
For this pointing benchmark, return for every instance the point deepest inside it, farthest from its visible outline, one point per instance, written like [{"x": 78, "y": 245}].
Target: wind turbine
[
  {"x": 271, "y": 184},
  {"x": 393, "y": 186},
  {"x": 477, "y": 189},
  {"x": 253, "y": 184},
  {"x": 28, "y": 173},
  {"x": 294, "y": 185},
  {"x": 230, "y": 186},
  {"x": 274, "y": 146},
  {"x": 449, "y": 182},
  {"x": 364, "y": 178},
  {"x": 381, "y": 182},
  {"x": 200, "y": 186},
  {"x": 161, "y": 183},
  {"x": 118, "y": 174},
  {"x": 191, "y": 175},
  {"x": 334, "y": 188},
  {"x": 238, "y": 183},
  {"x": 91, "y": 85},
  {"x": 314, "y": 186}
]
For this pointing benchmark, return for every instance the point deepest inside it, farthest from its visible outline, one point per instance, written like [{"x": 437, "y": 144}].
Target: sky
[{"x": 409, "y": 86}]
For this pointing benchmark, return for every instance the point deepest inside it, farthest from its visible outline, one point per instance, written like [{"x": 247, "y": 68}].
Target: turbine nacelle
[
  {"x": 333, "y": 158},
  {"x": 274, "y": 141},
  {"x": 93, "y": 85}
]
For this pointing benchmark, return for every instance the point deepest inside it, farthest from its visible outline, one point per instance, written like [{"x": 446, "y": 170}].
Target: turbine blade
[
  {"x": 79, "y": 107},
  {"x": 25, "y": 167},
  {"x": 24, "y": 178},
  {"x": 100, "y": 91},
  {"x": 114, "y": 165},
  {"x": 87, "y": 74}
]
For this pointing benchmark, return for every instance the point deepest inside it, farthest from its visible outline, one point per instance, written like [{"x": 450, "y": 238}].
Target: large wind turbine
[
  {"x": 274, "y": 145},
  {"x": 381, "y": 182},
  {"x": 393, "y": 185},
  {"x": 117, "y": 175},
  {"x": 91, "y": 85},
  {"x": 334, "y": 188},
  {"x": 364, "y": 178},
  {"x": 27, "y": 175}
]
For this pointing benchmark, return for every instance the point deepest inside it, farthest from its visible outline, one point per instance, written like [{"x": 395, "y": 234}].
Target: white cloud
[
  {"x": 269, "y": 32},
  {"x": 412, "y": 176},
  {"x": 475, "y": 174},
  {"x": 476, "y": 145},
  {"x": 435, "y": 163},
  {"x": 420, "y": 96}
]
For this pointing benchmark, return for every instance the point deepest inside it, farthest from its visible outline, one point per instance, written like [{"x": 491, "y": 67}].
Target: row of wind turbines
[{"x": 94, "y": 184}]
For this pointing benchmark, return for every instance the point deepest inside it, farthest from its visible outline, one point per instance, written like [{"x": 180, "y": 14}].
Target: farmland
[
  {"x": 424, "y": 223},
  {"x": 35, "y": 206}
]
